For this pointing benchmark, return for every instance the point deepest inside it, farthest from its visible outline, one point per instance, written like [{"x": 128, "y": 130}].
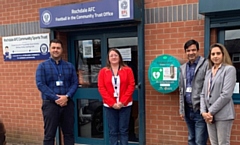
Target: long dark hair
[
  {"x": 226, "y": 58},
  {"x": 121, "y": 63}
]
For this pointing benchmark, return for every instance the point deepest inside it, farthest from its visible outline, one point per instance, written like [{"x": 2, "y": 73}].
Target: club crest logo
[
  {"x": 44, "y": 49},
  {"x": 46, "y": 17},
  {"x": 124, "y": 8},
  {"x": 124, "y": 5}
]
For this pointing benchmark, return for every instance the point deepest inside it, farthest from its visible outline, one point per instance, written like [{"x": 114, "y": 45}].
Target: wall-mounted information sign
[
  {"x": 163, "y": 73},
  {"x": 26, "y": 47},
  {"x": 86, "y": 13}
]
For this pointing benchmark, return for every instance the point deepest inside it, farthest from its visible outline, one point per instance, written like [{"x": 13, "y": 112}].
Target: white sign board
[
  {"x": 26, "y": 47},
  {"x": 87, "y": 48}
]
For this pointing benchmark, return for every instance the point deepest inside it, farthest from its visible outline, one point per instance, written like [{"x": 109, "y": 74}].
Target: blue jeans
[
  {"x": 197, "y": 128},
  {"x": 118, "y": 123}
]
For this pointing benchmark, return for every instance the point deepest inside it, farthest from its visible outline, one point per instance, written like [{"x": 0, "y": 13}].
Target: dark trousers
[
  {"x": 2, "y": 139},
  {"x": 54, "y": 116},
  {"x": 2, "y": 133},
  {"x": 118, "y": 123}
]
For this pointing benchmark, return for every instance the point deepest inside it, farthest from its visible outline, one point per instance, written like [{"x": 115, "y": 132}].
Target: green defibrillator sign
[{"x": 163, "y": 73}]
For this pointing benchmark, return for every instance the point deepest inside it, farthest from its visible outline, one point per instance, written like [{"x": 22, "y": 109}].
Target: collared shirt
[
  {"x": 190, "y": 76},
  {"x": 211, "y": 79},
  {"x": 49, "y": 72}
]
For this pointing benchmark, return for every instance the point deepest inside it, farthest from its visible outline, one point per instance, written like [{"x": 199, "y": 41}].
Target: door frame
[
  {"x": 138, "y": 31},
  {"x": 221, "y": 39},
  {"x": 92, "y": 92}
]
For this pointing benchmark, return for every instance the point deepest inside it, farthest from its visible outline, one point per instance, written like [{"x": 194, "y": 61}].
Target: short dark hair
[
  {"x": 191, "y": 42},
  {"x": 56, "y": 41}
]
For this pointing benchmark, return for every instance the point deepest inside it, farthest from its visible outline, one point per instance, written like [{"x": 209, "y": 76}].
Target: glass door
[
  {"x": 89, "y": 54},
  {"x": 89, "y": 128},
  {"x": 128, "y": 47}
]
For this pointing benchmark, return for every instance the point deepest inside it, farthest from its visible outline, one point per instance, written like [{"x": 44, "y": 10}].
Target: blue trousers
[
  {"x": 54, "y": 116},
  {"x": 118, "y": 123},
  {"x": 197, "y": 128}
]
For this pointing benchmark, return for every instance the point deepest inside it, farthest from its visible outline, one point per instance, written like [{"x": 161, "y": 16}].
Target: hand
[
  {"x": 120, "y": 105},
  {"x": 182, "y": 116},
  {"x": 115, "y": 106},
  {"x": 207, "y": 117},
  {"x": 64, "y": 104},
  {"x": 210, "y": 118},
  {"x": 62, "y": 101}
]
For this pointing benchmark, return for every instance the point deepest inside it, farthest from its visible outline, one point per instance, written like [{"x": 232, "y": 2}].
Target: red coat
[{"x": 105, "y": 86}]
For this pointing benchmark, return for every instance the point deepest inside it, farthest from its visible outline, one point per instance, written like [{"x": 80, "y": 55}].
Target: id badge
[
  {"x": 115, "y": 94},
  {"x": 189, "y": 89},
  {"x": 59, "y": 83}
]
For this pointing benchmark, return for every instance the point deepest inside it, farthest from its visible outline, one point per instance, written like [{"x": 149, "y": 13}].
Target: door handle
[{"x": 138, "y": 86}]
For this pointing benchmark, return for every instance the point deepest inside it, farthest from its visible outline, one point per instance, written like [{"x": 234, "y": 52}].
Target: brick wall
[
  {"x": 18, "y": 11},
  {"x": 163, "y": 124}
]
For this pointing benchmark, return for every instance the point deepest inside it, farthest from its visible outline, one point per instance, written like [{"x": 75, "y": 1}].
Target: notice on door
[
  {"x": 87, "y": 48},
  {"x": 126, "y": 53}
]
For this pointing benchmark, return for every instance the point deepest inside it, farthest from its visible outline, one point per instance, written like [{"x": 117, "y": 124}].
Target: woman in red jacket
[{"x": 116, "y": 85}]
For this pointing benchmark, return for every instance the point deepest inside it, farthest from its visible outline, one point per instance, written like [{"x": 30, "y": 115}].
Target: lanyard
[
  {"x": 210, "y": 85},
  {"x": 211, "y": 82},
  {"x": 58, "y": 72},
  {"x": 211, "y": 79},
  {"x": 190, "y": 73},
  {"x": 115, "y": 78}
]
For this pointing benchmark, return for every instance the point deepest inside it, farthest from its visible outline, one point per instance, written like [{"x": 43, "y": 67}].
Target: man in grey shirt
[{"x": 192, "y": 74}]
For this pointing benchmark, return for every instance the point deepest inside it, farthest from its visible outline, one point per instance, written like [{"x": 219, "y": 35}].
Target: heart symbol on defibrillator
[{"x": 156, "y": 75}]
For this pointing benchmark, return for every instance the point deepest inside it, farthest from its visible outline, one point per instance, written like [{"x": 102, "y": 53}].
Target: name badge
[
  {"x": 59, "y": 83},
  {"x": 115, "y": 94},
  {"x": 189, "y": 89}
]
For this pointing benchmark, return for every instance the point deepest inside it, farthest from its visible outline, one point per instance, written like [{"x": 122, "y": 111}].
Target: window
[
  {"x": 236, "y": 58},
  {"x": 232, "y": 43}
]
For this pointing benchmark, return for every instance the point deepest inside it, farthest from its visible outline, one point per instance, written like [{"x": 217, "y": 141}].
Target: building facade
[{"x": 154, "y": 28}]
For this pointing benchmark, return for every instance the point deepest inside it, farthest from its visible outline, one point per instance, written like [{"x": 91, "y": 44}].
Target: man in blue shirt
[
  {"x": 192, "y": 74},
  {"x": 57, "y": 81}
]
